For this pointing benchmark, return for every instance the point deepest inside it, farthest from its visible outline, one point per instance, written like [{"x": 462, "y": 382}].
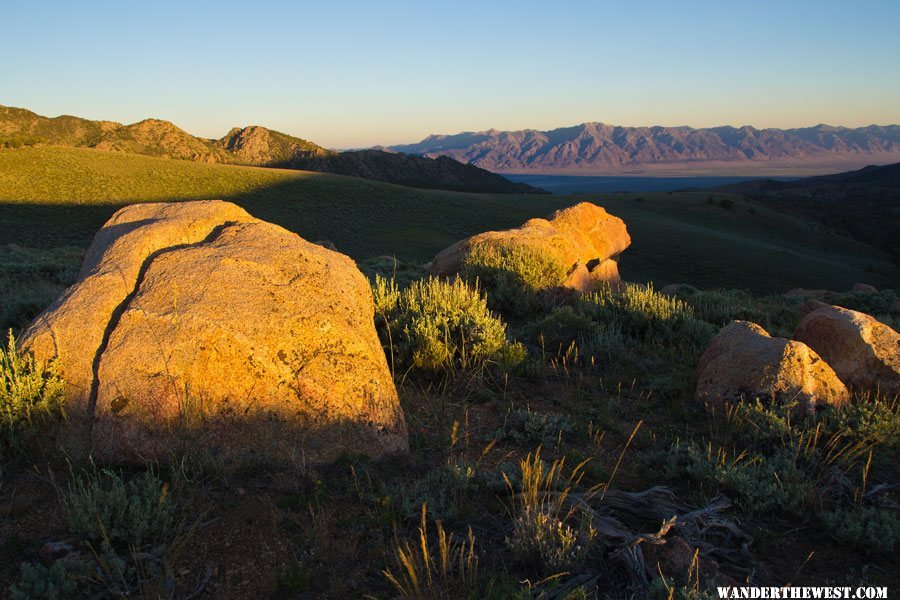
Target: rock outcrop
[
  {"x": 584, "y": 239},
  {"x": 196, "y": 321},
  {"x": 744, "y": 362},
  {"x": 863, "y": 351},
  {"x": 864, "y": 288}
]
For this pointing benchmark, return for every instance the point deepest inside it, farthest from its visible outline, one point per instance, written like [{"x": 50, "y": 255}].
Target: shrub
[
  {"x": 866, "y": 527},
  {"x": 512, "y": 276},
  {"x": 37, "y": 582},
  {"x": 103, "y": 509},
  {"x": 31, "y": 395},
  {"x": 423, "y": 572},
  {"x": 555, "y": 332},
  {"x": 130, "y": 531},
  {"x": 294, "y": 580},
  {"x": 549, "y": 534},
  {"x": 644, "y": 314},
  {"x": 389, "y": 267},
  {"x": 444, "y": 489},
  {"x": 869, "y": 420},
  {"x": 720, "y": 307},
  {"x": 883, "y": 305},
  {"x": 664, "y": 588},
  {"x": 758, "y": 483},
  {"x": 385, "y": 295},
  {"x": 847, "y": 432},
  {"x": 19, "y": 141},
  {"x": 436, "y": 326},
  {"x": 527, "y": 425},
  {"x": 777, "y": 314}
]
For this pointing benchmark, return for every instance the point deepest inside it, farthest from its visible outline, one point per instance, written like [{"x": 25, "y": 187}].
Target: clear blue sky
[{"x": 349, "y": 74}]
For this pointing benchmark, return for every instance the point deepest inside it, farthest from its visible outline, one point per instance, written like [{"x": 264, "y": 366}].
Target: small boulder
[
  {"x": 744, "y": 362},
  {"x": 195, "y": 321},
  {"x": 584, "y": 239},
  {"x": 863, "y": 351},
  {"x": 864, "y": 288}
]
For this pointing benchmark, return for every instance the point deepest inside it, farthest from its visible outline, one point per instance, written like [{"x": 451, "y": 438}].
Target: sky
[{"x": 355, "y": 74}]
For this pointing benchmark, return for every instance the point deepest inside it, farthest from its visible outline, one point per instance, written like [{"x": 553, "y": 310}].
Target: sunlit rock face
[
  {"x": 195, "y": 323},
  {"x": 743, "y": 362},
  {"x": 864, "y": 352},
  {"x": 584, "y": 239}
]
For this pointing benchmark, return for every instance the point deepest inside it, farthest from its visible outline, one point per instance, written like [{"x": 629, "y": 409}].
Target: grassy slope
[
  {"x": 61, "y": 196},
  {"x": 683, "y": 238}
]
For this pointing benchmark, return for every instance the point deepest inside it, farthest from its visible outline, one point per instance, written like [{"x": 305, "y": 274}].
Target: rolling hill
[
  {"x": 252, "y": 145},
  {"x": 608, "y": 149},
  {"x": 863, "y": 203},
  {"x": 54, "y": 197}
]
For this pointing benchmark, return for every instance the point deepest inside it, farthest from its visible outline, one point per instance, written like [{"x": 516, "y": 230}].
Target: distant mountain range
[
  {"x": 252, "y": 145},
  {"x": 864, "y": 204},
  {"x": 598, "y": 148}
]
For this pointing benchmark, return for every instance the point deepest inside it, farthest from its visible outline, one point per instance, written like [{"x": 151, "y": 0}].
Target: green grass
[
  {"x": 31, "y": 279},
  {"x": 54, "y": 196},
  {"x": 680, "y": 238}
]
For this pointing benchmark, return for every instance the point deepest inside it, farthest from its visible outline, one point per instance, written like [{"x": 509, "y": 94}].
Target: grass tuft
[
  {"x": 548, "y": 535},
  {"x": 428, "y": 570}
]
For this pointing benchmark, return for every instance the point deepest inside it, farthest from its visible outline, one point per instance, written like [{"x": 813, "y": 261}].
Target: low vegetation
[
  {"x": 31, "y": 279},
  {"x": 527, "y": 475},
  {"x": 443, "y": 568},
  {"x": 31, "y": 398},
  {"x": 102, "y": 508},
  {"x": 549, "y": 535},
  {"x": 436, "y": 326},
  {"x": 514, "y": 277},
  {"x": 127, "y": 540}
]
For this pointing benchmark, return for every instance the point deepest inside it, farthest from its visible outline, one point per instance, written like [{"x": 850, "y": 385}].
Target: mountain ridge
[
  {"x": 601, "y": 148},
  {"x": 252, "y": 145}
]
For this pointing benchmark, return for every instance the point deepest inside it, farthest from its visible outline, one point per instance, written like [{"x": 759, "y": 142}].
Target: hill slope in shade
[
  {"x": 601, "y": 148},
  {"x": 61, "y": 196},
  {"x": 863, "y": 203},
  {"x": 253, "y": 145}
]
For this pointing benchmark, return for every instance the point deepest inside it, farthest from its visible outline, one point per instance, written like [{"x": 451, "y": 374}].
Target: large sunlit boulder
[{"x": 195, "y": 323}]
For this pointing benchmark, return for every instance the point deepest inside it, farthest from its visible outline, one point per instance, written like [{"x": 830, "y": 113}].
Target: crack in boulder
[{"x": 116, "y": 315}]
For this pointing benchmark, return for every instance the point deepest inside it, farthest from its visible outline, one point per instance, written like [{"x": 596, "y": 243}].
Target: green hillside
[
  {"x": 51, "y": 196},
  {"x": 248, "y": 146}
]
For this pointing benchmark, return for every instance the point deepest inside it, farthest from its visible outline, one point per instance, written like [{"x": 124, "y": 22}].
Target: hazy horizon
[{"x": 356, "y": 75}]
